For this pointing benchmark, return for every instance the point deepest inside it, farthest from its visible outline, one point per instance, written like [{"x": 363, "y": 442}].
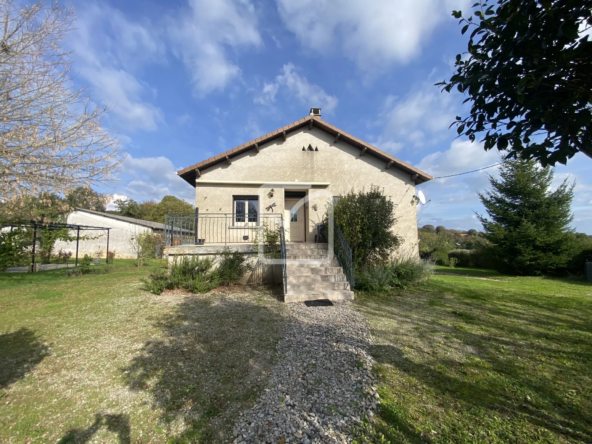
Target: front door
[{"x": 294, "y": 216}]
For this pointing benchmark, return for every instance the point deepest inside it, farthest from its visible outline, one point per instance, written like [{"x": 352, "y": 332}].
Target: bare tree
[{"x": 51, "y": 138}]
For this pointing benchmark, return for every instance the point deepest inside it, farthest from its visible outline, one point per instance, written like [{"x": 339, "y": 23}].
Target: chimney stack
[{"x": 316, "y": 112}]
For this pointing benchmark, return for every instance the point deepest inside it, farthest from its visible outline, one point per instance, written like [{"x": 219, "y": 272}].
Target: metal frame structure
[{"x": 59, "y": 226}]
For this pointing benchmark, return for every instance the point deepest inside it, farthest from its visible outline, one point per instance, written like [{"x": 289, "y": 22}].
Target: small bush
[
  {"x": 85, "y": 264},
  {"x": 578, "y": 263},
  {"x": 190, "y": 273},
  {"x": 411, "y": 271},
  {"x": 157, "y": 282},
  {"x": 479, "y": 258},
  {"x": 402, "y": 273},
  {"x": 63, "y": 257},
  {"x": 232, "y": 267},
  {"x": 270, "y": 238},
  {"x": 439, "y": 257},
  {"x": 111, "y": 256},
  {"x": 452, "y": 262},
  {"x": 374, "y": 279}
]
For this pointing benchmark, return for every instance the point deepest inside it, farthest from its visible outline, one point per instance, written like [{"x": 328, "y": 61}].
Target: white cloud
[
  {"x": 184, "y": 119},
  {"x": 373, "y": 33},
  {"x": 454, "y": 199},
  {"x": 299, "y": 87},
  {"x": 154, "y": 178},
  {"x": 203, "y": 34},
  {"x": 123, "y": 94},
  {"x": 107, "y": 48},
  {"x": 110, "y": 205},
  {"x": 390, "y": 146},
  {"x": 420, "y": 118}
]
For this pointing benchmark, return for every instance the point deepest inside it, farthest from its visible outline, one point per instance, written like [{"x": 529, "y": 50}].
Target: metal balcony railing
[{"x": 216, "y": 229}]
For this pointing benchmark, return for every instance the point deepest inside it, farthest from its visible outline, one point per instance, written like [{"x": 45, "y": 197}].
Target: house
[
  {"x": 121, "y": 234},
  {"x": 291, "y": 174}
]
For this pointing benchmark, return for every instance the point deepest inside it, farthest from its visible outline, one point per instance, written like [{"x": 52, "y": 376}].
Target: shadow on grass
[
  {"x": 114, "y": 423},
  {"x": 209, "y": 364},
  {"x": 20, "y": 352},
  {"x": 519, "y": 368}
]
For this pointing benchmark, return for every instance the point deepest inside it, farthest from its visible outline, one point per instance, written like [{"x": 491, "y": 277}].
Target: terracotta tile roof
[{"x": 190, "y": 173}]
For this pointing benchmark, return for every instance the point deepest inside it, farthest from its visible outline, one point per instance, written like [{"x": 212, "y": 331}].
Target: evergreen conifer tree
[{"x": 528, "y": 223}]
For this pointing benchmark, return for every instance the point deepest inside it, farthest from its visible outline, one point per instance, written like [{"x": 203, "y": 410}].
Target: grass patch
[
  {"x": 477, "y": 272},
  {"x": 97, "y": 358},
  {"x": 482, "y": 361}
]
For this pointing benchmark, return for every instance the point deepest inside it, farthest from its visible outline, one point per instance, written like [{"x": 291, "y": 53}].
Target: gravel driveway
[{"x": 320, "y": 385}]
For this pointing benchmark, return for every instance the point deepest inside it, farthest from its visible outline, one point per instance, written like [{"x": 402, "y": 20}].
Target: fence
[{"x": 216, "y": 229}]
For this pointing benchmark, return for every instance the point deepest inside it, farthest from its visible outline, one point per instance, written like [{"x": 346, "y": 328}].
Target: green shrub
[
  {"x": 479, "y": 258},
  {"x": 14, "y": 247},
  {"x": 578, "y": 263},
  {"x": 439, "y": 257},
  {"x": 270, "y": 238},
  {"x": 157, "y": 282},
  {"x": 400, "y": 273},
  {"x": 183, "y": 271},
  {"x": 366, "y": 219},
  {"x": 377, "y": 279},
  {"x": 411, "y": 271},
  {"x": 196, "y": 275},
  {"x": 85, "y": 264},
  {"x": 232, "y": 267}
]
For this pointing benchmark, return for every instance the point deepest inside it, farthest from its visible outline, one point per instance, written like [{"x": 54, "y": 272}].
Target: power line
[{"x": 468, "y": 172}]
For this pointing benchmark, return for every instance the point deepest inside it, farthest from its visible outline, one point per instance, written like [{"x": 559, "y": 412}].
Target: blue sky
[{"x": 188, "y": 79}]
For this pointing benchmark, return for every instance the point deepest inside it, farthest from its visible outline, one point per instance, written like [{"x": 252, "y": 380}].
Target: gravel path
[{"x": 321, "y": 384}]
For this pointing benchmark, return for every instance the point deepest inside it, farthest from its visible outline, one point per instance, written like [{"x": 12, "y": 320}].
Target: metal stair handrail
[
  {"x": 283, "y": 253},
  {"x": 344, "y": 256}
]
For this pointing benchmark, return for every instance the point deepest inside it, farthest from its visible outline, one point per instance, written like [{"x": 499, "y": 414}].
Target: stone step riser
[
  {"x": 314, "y": 257},
  {"x": 290, "y": 263},
  {"x": 310, "y": 278},
  {"x": 317, "y": 286},
  {"x": 307, "y": 246},
  {"x": 316, "y": 295},
  {"x": 313, "y": 271}
]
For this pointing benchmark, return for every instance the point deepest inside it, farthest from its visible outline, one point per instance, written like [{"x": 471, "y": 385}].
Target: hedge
[{"x": 472, "y": 258}]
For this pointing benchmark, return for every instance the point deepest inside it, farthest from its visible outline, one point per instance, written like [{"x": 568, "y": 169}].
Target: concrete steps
[
  {"x": 344, "y": 295},
  {"x": 325, "y": 277},
  {"x": 311, "y": 275}
]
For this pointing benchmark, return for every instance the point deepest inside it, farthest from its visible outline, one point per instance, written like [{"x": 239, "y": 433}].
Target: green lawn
[
  {"x": 97, "y": 358},
  {"x": 464, "y": 360},
  {"x": 477, "y": 272}
]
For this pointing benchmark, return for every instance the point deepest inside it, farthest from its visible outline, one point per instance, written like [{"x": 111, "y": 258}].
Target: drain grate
[{"x": 319, "y": 303}]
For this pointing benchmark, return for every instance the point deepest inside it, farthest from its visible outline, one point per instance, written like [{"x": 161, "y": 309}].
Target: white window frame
[{"x": 246, "y": 222}]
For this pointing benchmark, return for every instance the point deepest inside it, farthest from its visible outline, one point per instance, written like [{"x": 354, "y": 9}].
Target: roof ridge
[{"x": 186, "y": 173}]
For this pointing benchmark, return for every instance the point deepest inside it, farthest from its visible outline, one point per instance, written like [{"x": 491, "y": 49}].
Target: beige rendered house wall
[{"x": 338, "y": 164}]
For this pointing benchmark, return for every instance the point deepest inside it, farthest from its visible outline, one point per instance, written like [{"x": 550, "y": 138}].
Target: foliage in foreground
[
  {"x": 52, "y": 137},
  {"x": 528, "y": 224},
  {"x": 528, "y": 76},
  {"x": 400, "y": 273},
  {"x": 198, "y": 275},
  {"x": 366, "y": 219}
]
